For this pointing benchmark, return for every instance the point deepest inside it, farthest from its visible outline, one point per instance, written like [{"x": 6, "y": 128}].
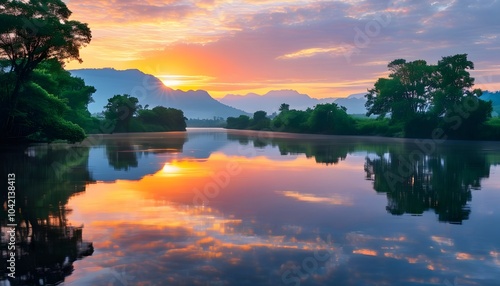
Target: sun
[{"x": 172, "y": 83}]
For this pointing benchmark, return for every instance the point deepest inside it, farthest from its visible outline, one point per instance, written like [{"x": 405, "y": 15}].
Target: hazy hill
[
  {"x": 151, "y": 91},
  {"x": 271, "y": 101},
  {"x": 495, "y": 100}
]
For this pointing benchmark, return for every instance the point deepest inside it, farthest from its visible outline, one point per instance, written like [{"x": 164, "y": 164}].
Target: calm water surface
[{"x": 217, "y": 207}]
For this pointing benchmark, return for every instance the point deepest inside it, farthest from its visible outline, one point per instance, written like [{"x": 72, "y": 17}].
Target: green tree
[
  {"x": 31, "y": 32},
  {"x": 452, "y": 82},
  {"x": 170, "y": 119},
  {"x": 405, "y": 93},
  {"x": 241, "y": 122},
  {"x": 120, "y": 110},
  {"x": 423, "y": 97},
  {"x": 35, "y": 30},
  {"x": 284, "y": 107},
  {"x": 330, "y": 119},
  {"x": 260, "y": 121},
  {"x": 52, "y": 77},
  {"x": 40, "y": 115},
  {"x": 292, "y": 121}
]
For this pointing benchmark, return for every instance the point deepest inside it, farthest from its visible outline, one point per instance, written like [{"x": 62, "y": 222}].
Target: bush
[{"x": 420, "y": 126}]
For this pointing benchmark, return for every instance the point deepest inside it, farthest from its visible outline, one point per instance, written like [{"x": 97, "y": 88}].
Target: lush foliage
[
  {"x": 51, "y": 105},
  {"x": 51, "y": 76},
  {"x": 32, "y": 32},
  {"x": 425, "y": 97},
  {"x": 215, "y": 122},
  {"x": 126, "y": 115},
  {"x": 120, "y": 110},
  {"x": 39, "y": 100},
  {"x": 420, "y": 101},
  {"x": 162, "y": 119},
  {"x": 324, "y": 119}
]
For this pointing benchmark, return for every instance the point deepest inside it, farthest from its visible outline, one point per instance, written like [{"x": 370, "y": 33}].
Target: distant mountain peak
[
  {"x": 357, "y": 95},
  {"x": 151, "y": 91},
  {"x": 271, "y": 101}
]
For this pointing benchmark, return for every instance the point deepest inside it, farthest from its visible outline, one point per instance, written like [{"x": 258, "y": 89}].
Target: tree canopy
[
  {"x": 126, "y": 115},
  {"x": 32, "y": 32},
  {"x": 423, "y": 97},
  {"x": 324, "y": 118},
  {"x": 120, "y": 110}
]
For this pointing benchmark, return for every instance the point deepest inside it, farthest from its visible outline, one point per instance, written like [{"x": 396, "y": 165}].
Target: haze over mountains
[
  {"x": 151, "y": 91},
  {"x": 271, "y": 101},
  {"x": 197, "y": 104}
]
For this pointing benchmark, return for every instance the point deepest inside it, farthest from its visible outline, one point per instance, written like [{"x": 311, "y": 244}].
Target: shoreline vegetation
[
  {"x": 41, "y": 102},
  {"x": 417, "y": 100},
  {"x": 365, "y": 127}
]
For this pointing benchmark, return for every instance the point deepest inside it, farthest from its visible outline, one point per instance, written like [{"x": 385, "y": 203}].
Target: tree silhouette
[
  {"x": 120, "y": 110},
  {"x": 284, "y": 107},
  {"x": 31, "y": 32}
]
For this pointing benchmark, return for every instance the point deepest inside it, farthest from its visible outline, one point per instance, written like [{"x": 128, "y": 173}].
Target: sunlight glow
[
  {"x": 170, "y": 169},
  {"x": 171, "y": 81}
]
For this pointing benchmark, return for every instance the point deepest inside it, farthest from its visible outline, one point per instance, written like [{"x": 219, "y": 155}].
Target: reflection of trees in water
[
  {"x": 413, "y": 182},
  {"x": 46, "y": 177},
  {"x": 323, "y": 151},
  {"x": 123, "y": 151},
  {"x": 122, "y": 155},
  {"x": 441, "y": 181}
]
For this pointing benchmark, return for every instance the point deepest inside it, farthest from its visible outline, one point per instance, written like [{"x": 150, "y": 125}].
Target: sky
[{"x": 321, "y": 48}]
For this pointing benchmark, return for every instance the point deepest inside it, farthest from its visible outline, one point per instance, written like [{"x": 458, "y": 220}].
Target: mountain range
[
  {"x": 151, "y": 91},
  {"x": 271, "y": 101},
  {"x": 197, "y": 103}
]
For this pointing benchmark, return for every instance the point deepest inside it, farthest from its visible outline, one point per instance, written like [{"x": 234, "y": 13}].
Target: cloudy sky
[{"x": 322, "y": 48}]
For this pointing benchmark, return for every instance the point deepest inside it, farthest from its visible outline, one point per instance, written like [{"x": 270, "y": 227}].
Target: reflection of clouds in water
[
  {"x": 148, "y": 226},
  {"x": 162, "y": 242},
  {"x": 441, "y": 260},
  {"x": 335, "y": 199},
  {"x": 194, "y": 245},
  {"x": 442, "y": 240},
  {"x": 190, "y": 246}
]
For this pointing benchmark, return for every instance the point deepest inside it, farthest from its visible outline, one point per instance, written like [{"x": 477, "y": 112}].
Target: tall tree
[
  {"x": 424, "y": 97},
  {"x": 406, "y": 92},
  {"x": 452, "y": 82},
  {"x": 31, "y": 32},
  {"x": 329, "y": 118},
  {"x": 120, "y": 110}
]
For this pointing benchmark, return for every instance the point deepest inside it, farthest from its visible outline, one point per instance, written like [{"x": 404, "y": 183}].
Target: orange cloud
[
  {"x": 368, "y": 252},
  {"x": 322, "y": 48}
]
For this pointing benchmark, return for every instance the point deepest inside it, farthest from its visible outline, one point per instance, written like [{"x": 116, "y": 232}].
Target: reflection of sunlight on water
[
  {"x": 152, "y": 226},
  {"x": 131, "y": 220},
  {"x": 170, "y": 169}
]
